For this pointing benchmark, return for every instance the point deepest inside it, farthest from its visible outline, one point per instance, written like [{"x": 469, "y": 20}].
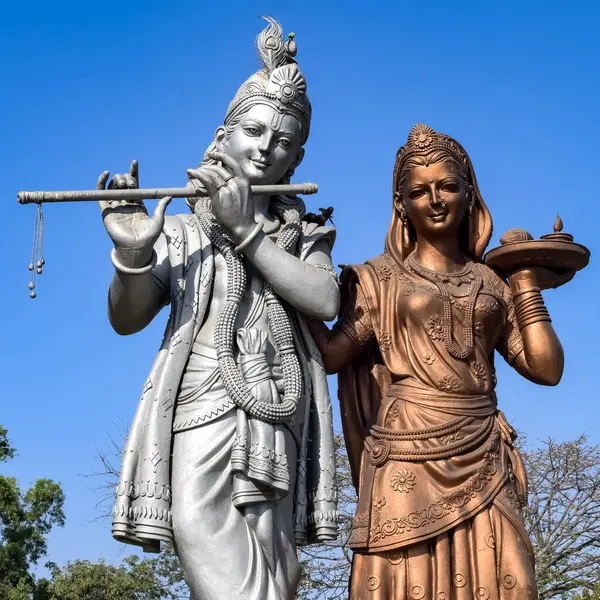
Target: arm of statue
[
  {"x": 310, "y": 286},
  {"x": 532, "y": 346},
  {"x": 135, "y": 295},
  {"x": 336, "y": 347},
  {"x": 352, "y": 331},
  {"x": 312, "y": 290},
  {"x": 135, "y": 299}
]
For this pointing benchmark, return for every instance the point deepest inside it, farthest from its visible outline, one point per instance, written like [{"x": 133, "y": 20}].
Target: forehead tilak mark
[{"x": 276, "y": 121}]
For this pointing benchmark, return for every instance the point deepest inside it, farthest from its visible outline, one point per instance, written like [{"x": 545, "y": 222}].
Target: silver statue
[{"x": 230, "y": 454}]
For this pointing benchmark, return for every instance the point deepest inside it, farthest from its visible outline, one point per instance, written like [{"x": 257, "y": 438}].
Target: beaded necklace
[
  {"x": 441, "y": 281},
  {"x": 278, "y": 318}
]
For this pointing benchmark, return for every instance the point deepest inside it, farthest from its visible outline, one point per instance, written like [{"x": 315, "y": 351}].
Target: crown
[
  {"x": 280, "y": 82},
  {"x": 423, "y": 140}
]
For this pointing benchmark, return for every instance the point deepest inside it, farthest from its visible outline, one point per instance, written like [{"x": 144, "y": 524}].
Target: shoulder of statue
[
  {"x": 388, "y": 271},
  {"x": 361, "y": 271},
  {"x": 363, "y": 275},
  {"x": 360, "y": 281},
  {"x": 491, "y": 278},
  {"x": 314, "y": 232},
  {"x": 383, "y": 259}
]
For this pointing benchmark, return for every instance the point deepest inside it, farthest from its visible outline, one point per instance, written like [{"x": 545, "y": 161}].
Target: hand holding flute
[{"x": 134, "y": 232}]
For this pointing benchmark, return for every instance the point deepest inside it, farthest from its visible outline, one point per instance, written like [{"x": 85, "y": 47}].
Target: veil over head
[
  {"x": 424, "y": 141},
  {"x": 363, "y": 383}
]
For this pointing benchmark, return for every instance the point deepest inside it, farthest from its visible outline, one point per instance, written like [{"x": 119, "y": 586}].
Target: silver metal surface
[{"x": 290, "y": 189}]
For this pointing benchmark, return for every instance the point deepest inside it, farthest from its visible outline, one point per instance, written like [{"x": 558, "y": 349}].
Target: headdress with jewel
[
  {"x": 429, "y": 144},
  {"x": 279, "y": 83}
]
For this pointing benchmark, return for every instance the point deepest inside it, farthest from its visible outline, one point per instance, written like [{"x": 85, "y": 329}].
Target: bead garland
[
  {"x": 440, "y": 280},
  {"x": 278, "y": 318}
]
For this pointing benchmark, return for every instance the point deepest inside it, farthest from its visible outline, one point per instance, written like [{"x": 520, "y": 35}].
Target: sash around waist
[
  {"x": 202, "y": 396},
  {"x": 422, "y": 445},
  {"x": 424, "y": 396},
  {"x": 431, "y": 461},
  {"x": 202, "y": 376},
  {"x": 431, "y": 426}
]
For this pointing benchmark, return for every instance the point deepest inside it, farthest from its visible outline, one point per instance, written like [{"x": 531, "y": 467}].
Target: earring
[
  {"x": 407, "y": 245},
  {"x": 401, "y": 207},
  {"x": 471, "y": 203}
]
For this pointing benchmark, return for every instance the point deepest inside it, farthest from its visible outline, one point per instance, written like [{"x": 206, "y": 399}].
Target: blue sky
[{"x": 88, "y": 86}]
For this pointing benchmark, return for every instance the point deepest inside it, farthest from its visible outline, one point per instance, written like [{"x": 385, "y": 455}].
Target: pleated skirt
[{"x": 487, "y": 557}]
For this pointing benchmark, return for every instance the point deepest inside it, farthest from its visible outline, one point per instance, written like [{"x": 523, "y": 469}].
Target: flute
[{"x": 290, "y": 189}]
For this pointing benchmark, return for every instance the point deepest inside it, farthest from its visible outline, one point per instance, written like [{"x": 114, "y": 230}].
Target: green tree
[
  {"x": 26, "y": 519},
  {"x": 134, "y": 579},
  {"x": 587, "y": 594}
]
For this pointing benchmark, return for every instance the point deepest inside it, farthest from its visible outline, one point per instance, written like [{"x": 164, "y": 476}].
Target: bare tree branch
[{"x": 562, "y": 517}]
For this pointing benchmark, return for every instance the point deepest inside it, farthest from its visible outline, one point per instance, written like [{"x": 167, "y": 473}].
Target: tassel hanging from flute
[{"x": 36, "y": 266}]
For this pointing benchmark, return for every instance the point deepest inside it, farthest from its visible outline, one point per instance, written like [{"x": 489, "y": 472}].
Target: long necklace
[
  {"x": 440, "y": 280},
  {"x": 278, "y": 318}
]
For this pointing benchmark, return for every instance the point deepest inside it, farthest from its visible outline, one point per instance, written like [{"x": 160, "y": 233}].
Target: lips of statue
[
  {"x": 436, "y": 200},
  {"x": 265, "y": 143}
]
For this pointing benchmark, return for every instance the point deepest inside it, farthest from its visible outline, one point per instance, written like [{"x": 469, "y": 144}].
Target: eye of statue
[
  {"x": 416, "y": 193},
  {"x": 451, "y": 186},
  {"x": 284, "y": 142},
  {"x": 252, "y": 131}
]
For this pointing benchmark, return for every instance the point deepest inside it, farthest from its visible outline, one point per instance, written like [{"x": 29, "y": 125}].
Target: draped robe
[
  {"x": 439, "y": 482},
  {"x": 185, "y": 272}
]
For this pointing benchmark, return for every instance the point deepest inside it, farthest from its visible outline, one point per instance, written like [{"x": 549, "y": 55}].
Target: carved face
[
  {"x": 436, "y": 199},
  {"x": 265, "y": 142}
]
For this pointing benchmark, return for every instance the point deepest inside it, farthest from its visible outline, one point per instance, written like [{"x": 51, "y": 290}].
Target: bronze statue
[{"x": 440, "y": 483}]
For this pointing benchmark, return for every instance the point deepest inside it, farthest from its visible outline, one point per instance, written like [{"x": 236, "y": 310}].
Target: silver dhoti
[
  {"x": 215, "y": 501},
  {"x": 192, "y": 471}
]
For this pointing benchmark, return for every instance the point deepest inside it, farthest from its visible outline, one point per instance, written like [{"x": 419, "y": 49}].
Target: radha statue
[
  {"x": 230, "y": 454},
  {"x": 440, "y": 483}
]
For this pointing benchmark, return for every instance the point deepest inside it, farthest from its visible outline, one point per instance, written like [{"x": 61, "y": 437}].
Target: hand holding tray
[{"x": 555, "y": 257}]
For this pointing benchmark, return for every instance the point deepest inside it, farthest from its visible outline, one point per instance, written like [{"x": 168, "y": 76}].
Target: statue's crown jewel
[
  {"x": 422, "y": 141},
  {"x": 421, "y": 136},
  {"x": 280, "y": 82}
]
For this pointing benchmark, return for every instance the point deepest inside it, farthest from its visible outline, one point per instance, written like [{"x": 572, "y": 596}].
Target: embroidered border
[{"x": 445, "y": 506}]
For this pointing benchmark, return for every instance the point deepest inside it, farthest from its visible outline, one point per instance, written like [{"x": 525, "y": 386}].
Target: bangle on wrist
[
  {"x": 528, "y": 303},
  {"x": 132, "y": 270},
  {"x": 536, "y": 319},
  {"x": 249, "y": 238},
  {"x": 522, "y": 291},
  {"x": 530, "y": 307}
]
